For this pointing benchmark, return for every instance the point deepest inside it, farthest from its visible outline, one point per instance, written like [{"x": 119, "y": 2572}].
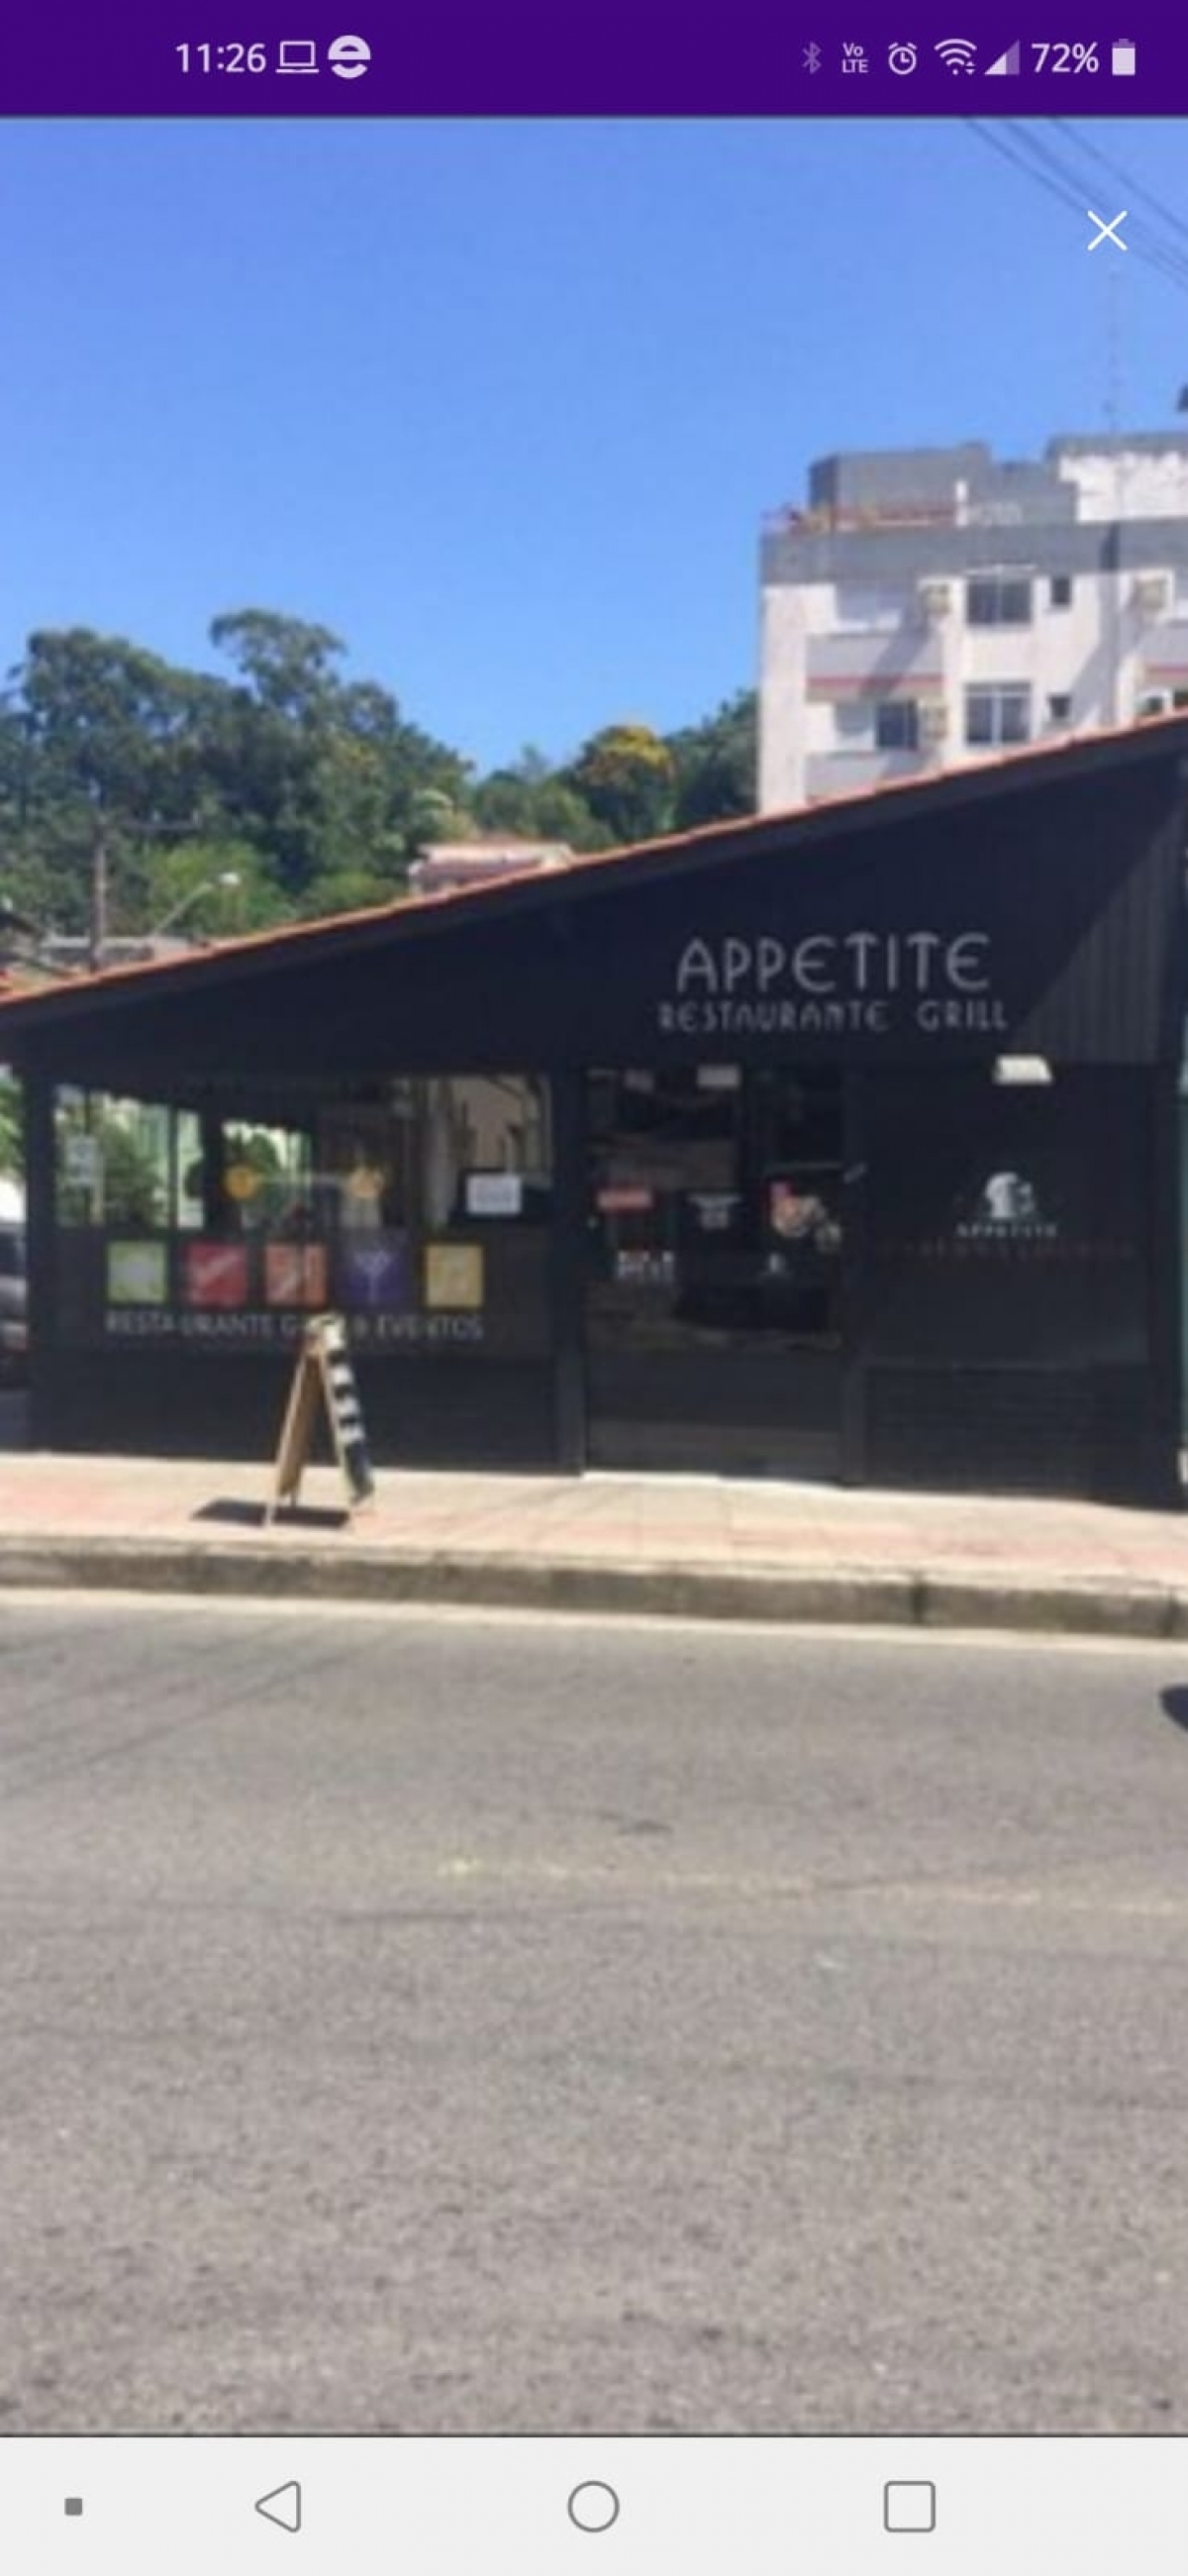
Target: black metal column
[
  {"x": 569, "y": 1266},
  {"x": 1166, "y": 1284},
  {"x": 855, "y": 1282},
  {"x": 42, "y": 1239}
]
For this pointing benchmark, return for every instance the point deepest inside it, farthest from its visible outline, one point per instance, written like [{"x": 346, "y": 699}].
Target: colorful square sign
[
  {"x": 137, "y": 1274},
  {"x": 454, "y": 1275},
  {"x": 294, "y": 1274},
  {"x": 374, "y": 1274},
  {"x": 216, "y": 1274}
]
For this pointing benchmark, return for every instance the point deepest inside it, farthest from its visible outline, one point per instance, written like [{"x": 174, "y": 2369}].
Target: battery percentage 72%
[{"x": 1066, "y": 58}]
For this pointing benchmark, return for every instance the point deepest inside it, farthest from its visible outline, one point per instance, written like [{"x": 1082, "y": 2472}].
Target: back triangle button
[{"x": 282, "y": 2505}]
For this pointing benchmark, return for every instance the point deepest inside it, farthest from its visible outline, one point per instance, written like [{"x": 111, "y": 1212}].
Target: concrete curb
[{"x": 834, "y": 1597}]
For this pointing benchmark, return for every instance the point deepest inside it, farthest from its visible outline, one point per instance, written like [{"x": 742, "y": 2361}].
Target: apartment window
[
  {"x": 1163, "y": 702},
  {"x": 1061, "y": 590},
  {"x": 994, "y": 716},
  {"x": 897, "y": 725},
  {"x": 1060, "y": 708},
  {"x": 867, "y": 605},
  {"x": 998, "y": 599}
]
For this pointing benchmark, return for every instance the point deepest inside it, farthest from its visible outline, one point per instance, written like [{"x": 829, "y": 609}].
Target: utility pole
[{"x": 98, "y": 940}]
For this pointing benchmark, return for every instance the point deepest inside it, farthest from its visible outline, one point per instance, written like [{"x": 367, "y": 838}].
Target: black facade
[{"x": 842, "y": 1144}]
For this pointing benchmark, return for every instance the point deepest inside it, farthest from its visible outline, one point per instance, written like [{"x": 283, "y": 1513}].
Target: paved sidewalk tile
[{"x": 620, "y": 1520}]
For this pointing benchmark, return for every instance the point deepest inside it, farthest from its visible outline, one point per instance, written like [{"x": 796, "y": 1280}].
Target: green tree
[
  {"x": 314, "y": 789},
  {"x": 133, "y": 1186},
  {"x": 89, "y": 754},
  {"x": 289, "y": 665},
  {"x": 536, "y": 802},
  {"x": 324, "y": 775},
  {"x": 716, "y": 764},
  {"x": 181, "y": 879},
  {"x": 625, "y": 776}
]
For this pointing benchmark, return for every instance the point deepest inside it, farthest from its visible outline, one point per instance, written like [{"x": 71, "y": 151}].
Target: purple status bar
[{"x": 614, "y": 58}]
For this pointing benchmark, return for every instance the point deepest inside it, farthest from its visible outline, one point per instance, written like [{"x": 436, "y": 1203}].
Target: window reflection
[{"x": 715, "y": 1206}]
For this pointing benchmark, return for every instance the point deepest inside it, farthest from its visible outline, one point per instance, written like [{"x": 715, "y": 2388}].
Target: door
[{"x": 714, "y": 1305}]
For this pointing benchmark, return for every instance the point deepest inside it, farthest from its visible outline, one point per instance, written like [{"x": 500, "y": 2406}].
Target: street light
[
  {"x": 150, "y": 831},
  {"x": 227, "y": 880}
]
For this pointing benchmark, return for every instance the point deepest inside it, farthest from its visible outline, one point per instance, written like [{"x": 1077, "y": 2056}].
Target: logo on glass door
[{"x": 1007, "y": 1208}]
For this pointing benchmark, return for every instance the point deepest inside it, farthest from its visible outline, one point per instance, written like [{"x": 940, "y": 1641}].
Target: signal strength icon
[
  {"x": 1008, "y": 62},
  {"x": 957, "y": 53}
]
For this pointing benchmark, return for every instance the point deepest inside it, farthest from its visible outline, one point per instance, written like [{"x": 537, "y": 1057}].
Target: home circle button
[{"x": 593, "y": 2506}]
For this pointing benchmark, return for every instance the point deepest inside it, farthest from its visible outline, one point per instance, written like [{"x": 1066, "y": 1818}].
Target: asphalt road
[{"x": 482, "y": 2024}]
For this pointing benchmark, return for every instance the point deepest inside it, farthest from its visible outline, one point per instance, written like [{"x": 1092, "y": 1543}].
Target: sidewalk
[{"x": 655, "y": 1545}]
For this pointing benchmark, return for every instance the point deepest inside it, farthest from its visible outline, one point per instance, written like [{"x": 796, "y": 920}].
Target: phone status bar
[{"x": 133, "y": 62}]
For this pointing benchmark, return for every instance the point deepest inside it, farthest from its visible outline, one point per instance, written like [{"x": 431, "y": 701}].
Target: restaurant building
[{"x": 843, "y": 1143}]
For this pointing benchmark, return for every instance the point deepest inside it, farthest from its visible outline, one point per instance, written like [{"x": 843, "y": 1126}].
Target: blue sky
[{"x": 504, "y": 404}]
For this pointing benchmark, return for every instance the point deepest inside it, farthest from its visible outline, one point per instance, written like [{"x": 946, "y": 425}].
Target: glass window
[
  {"x": 488, "y": 1148},
  {"x": 998, "y": 599},
  {"x": 715, "y": 1211},
  {"x": 266, "y": 1178},
  {"x": 870, "y": 606},
  {"x": 1059, "y": 707},
  {"x": 998, "y": 715},
  {"x": 419, "y": 1206},
  {"x": 114, "y": 1160},
  {"x": 189, "y": 1196},
  {"x": 447, "y": 1150},
  {"x": 1061, "y": 590},
  {"x": 897, "y": 725}
]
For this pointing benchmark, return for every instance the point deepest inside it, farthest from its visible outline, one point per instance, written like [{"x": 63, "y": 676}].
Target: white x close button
[{"x": 1106, "y": 232}]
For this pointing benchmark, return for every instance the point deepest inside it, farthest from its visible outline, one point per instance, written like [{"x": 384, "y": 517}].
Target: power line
[
  {"x": 1046, "y": 169},
  {"x": 1135, "y": 186},
  {"x": 1142, "y": 242}
]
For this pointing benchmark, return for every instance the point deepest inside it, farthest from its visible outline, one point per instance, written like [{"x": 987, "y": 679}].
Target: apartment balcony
[
  {"x": 905, "y": 662},
  {"x": 1163, "y": 655},
  {"x": 848, "y": 773}
]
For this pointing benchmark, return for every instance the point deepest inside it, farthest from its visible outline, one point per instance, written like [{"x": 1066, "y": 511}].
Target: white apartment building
[{"x": 933, "y": 607}]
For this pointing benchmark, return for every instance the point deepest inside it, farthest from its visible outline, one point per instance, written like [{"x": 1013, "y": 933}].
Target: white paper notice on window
[
  {"x": 494, "y": 1193},
  {"x": 83, "y": 1161}
]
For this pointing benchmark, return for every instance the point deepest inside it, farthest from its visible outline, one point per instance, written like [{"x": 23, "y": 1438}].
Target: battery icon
[{"x": 1122, "y": 59}]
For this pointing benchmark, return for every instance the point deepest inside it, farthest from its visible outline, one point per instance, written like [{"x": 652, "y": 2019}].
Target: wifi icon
[{"x": 956, "y": 53}]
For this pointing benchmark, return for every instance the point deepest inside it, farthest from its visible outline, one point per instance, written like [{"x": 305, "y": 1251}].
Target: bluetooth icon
[{"x": 811, "y": 58}]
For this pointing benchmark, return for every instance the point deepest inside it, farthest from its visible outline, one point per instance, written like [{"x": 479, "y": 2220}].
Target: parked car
[{"x": 14, "y": 1309}]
